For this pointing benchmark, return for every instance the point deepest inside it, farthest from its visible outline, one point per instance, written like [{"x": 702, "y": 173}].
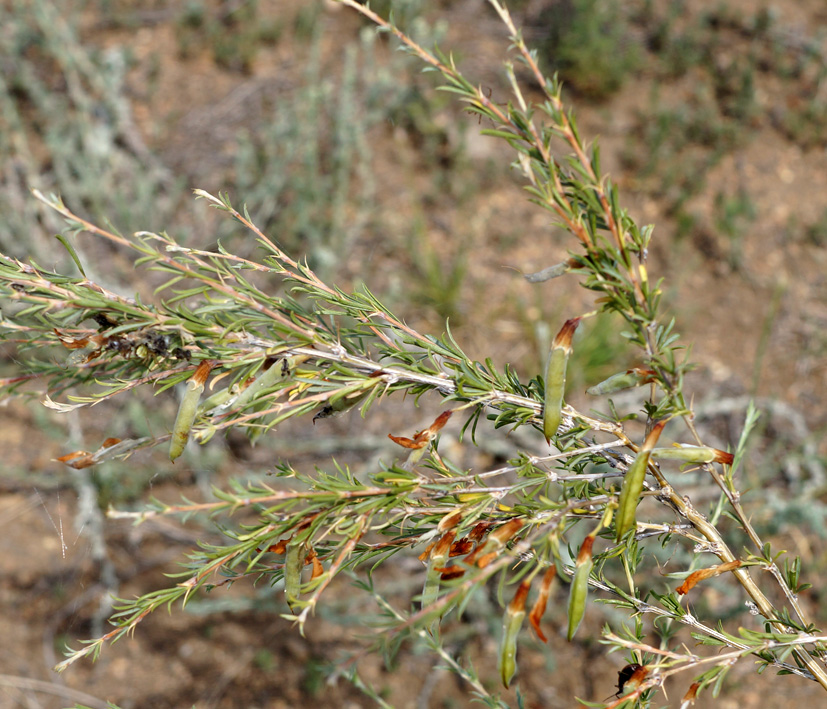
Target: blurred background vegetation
[{"x": 710, "y": 117}]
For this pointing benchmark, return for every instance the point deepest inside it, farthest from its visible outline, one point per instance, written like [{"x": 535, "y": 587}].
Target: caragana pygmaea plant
[{"x": 314, "y": 350}]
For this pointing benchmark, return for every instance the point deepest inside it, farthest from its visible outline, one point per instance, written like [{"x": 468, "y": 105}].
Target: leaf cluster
[{"x": 269, "y": 340}]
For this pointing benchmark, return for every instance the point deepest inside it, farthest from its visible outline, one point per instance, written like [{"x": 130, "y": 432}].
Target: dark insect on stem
[
  {"x": 181, "y": 353},
  {"x": 156, "y": 343},
  {"x": 104, "y": 321},
  {"x": 625, "y": 675},
  {"x": 144, "y": 344},
  {"x": 325, "y": 412}
]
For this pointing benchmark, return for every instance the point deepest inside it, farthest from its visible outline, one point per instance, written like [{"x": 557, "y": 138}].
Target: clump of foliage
[
  {"x": 590, "y": 43},
  {"x": 249, "y": 358},
  {"x": 83, "y": 138}
]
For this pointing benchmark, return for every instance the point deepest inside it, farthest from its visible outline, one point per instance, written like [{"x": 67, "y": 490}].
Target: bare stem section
[{"x": 255, "y": 342}]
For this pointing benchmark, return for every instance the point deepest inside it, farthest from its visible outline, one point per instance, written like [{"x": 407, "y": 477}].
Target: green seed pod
[
  {"x": 293, "y": 564},
  {"x": 184, "y": 419},
  {"x": 187, "y": 410},
  {"x": 512, "y": 622},
  {"x": 268, "y": 378},
  {"x": 693, "y": 454},
  {"x": 345, "y": 400},
  {"x": 558, "y": 358},
  {"x": 633, "y": 483},
  {"x": 214, "y": 401},
  {"x": 623, "y": 380},
  {"x": 579, "y": 589}
]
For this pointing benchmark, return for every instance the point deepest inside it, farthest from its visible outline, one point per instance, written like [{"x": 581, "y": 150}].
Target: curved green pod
[
  {"x": 579, "y": 590},
  {"x": 215, "y": 401},
  {"x": 263, "y": 381},
  {"x": 293, "y": 564},
  {"x": 187, "y": 410},
  {"x": 623, "y": 380},
  {"x": 633, "y": 483},
  {"x": 555, "y": 379},
  {"x": 512, "y": 622},
  {"x": 184, "y": 419},
  {"x": 693, "y": 454}
]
